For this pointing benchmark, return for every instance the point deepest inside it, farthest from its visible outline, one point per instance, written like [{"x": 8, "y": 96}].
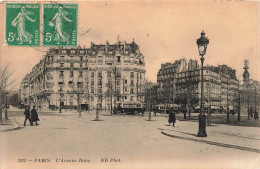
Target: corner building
[
  {"x": 103, "y": 75},
  {"x": 180, "y": 83}
]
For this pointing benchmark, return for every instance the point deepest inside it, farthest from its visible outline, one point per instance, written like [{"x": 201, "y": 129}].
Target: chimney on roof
[
  {"x": 124, "y": 46},
  {"x": 106, "y": 47}
]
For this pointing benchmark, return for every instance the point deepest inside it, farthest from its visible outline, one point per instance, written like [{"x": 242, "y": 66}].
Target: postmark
[
  {"x": 23, "y": 24},
  {"x": 60, "y": 24}
]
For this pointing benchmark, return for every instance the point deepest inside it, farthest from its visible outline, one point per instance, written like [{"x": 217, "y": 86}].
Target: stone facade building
[
  {"x": 102, "y": 75},
  {"x": 180, "y": 83}
]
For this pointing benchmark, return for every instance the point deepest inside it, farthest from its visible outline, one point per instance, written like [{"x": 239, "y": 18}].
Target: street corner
[
  {"x": 215, "y": 139},
  {"x": 9, "y": 125}
]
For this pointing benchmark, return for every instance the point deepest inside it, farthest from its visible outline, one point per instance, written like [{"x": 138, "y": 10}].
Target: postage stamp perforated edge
[
  {"x": 4, "y": 6},
  {"x": 77, "y": 25}
]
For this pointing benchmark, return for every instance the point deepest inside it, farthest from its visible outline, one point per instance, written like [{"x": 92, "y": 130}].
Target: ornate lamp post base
[{"x": 202, "y": 126}]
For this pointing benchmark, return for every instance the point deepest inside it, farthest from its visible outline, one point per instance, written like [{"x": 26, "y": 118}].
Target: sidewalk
[
  {"x": 9, "y": 125},
  {"x": 236, "y": 137}
]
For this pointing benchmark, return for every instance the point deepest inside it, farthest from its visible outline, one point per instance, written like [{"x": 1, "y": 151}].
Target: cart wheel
[{"x": 136, "y": 112}]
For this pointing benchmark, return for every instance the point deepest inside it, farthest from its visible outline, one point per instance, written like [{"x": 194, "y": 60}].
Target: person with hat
[
  {"x": 172, "y": 117},
  {"x": 34, "y": 115},
  {"x": 27, "y": 115}
]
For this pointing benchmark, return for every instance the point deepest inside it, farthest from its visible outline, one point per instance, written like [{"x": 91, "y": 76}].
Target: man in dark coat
[
  {"x": 256, "y": 115},
  {"x": 173, "y": 116},
  {"x": 27, "y": 115},
  {"x": 34, "y": 115},
  {"x": 170, "y": 117}
]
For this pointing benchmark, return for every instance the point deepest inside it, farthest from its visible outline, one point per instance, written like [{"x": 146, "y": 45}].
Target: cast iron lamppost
[
  {"x": 60, "y": 92},
  {"x": 202, "y": 43}
]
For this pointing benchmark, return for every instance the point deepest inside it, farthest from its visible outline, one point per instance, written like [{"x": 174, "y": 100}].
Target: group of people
[
  {"x": 172, "y": 117},
  {"x": 32, "y": 115}
]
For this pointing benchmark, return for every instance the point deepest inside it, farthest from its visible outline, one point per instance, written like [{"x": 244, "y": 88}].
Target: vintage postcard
[{"x": 129, "y": 84}]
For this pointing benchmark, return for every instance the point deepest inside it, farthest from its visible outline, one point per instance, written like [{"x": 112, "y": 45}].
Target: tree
[{"x": 5, "y": 83}]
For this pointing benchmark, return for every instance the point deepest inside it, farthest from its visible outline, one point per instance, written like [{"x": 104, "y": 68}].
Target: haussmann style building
[
  {"x": 180, "y": 83},
  {"x": 102, "y": 75}
]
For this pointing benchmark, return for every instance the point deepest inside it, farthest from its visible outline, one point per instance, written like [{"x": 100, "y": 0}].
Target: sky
[{"x": 165, "y": 31}]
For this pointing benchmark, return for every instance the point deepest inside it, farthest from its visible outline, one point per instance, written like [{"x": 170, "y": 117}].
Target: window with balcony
[
  {"x": 92, "y": 74},
  {"x": 92, "y": 82},
  {"x": 99, "y": 74},
  {"x": 132, "y": 83},
  {"x": 132, "y": 75},
  {"x": 118, "y": 82},
  {"x": 118, "y": 90},
  {"x": 80, "y": 73},
  {"x": 132, "y": 98},
  {"x": 109, "y": 83},
  {"x": 92, "y": 90},
  {"x": 81, "y": 58},
  {"x": 61, "y": 74},
  {"x": 131, "y": 91},
  {"x": 118, "y": 74},
  {"x": 71, "y": 73},
  {"x": 109, "y": 74},
  {"x": 118, "y": 59},
  {"x": 99, "y": 82}
]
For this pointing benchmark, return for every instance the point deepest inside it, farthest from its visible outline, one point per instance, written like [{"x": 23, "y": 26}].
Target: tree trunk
[{"x": 1, "y": 107}]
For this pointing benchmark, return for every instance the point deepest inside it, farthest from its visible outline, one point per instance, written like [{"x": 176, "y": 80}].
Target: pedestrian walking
[
  {"x": 173, "y": 117},
  {"x": 256, "y": 115},
  {"x": 34, "y": 115},
  {"x": 27, "y": 115},
  {"x": 170, "y": 119}
]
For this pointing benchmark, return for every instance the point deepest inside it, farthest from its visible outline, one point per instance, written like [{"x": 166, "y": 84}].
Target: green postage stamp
[
  {"x": 60, "y": 24},
  {"x": 22, "y": 24}
]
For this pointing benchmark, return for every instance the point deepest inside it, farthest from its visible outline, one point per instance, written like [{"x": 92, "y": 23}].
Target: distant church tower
[{"x": 246, "y": 73}]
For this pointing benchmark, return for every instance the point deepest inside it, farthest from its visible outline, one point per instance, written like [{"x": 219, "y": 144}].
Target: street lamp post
[
  {"x": 255, "y": 94},
  {"x": 248, "y": 110},
  {"x": 60, "y": 92},
  {"x": 202, "y": 43},
  {"x": 227, "y": 103},
  {"x": 239, "y": 102}
]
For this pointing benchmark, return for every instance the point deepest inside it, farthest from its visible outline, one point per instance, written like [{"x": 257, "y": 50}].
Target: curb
[
  {"x": 16, "y": 126},
  {"x": 214, "y": 143},
  {"x": 15, "y": 123}
]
